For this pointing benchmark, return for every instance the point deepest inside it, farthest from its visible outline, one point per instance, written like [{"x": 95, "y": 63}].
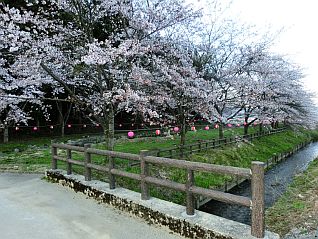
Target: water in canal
[{"x": 276, "y": 181}]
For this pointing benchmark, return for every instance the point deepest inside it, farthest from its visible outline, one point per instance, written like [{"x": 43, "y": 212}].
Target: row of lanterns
[
  {"x": 131, "y": 134},
  {"x": 36, "y": 128},
  {"x": 176, "y": 129}
]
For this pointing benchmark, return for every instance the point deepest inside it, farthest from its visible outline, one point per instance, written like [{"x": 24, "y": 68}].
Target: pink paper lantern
[
  {"x": 206, "y": 127},
  {"x": 193, "y": 128},
  {"x": 35, "y": 128},
  {"x": 216, "y": 126},
  {"x": 131, "y": 134},
  {"x": 69, "y": 126},
  {"x": 238, "y": 125},
  {"x": 255, "y": 123},
  {"x": 176, "y": 129},
  {"x": 245, "y": 123},
  {"x": 158, "y": 132},
  {"x": 229, "y": 125}
]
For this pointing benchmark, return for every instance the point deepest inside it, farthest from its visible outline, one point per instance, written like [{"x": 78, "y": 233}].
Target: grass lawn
[
  {"x": 36, "y": 158},
  {"x": 298, "y": 207},
  {"x": 36, "y": 151}
]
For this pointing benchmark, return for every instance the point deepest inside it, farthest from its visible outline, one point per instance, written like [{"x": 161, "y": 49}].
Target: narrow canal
[{"x": 276, "y": 181}]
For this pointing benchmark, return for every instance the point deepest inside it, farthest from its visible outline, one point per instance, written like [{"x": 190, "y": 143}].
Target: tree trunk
[
  {"x": 61, "y": 120},
  {"x": 221, "y": 132},
  {"x": 109, "y": 130},
  {"x": 246, "y": 129},
  {"x": 6, "y": 134},
  {"x": 261, "y": 127},
  {"x": 272, "y": 125},
  {"x": 183, "y": 132},
  {"x": 276, "y": 124},
  {"x": 62, "y": 129}
]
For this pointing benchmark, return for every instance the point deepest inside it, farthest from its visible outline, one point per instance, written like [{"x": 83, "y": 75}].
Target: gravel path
[{"x": 33, "y": 208}]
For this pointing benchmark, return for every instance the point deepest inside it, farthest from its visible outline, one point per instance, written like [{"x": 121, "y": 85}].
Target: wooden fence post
[
  {"x": 144, "y": 167},
  {"x": 190, "y": 196},
  {"x": 68, "y": 158},
  {"x": 54, "y": 161},
  {"x": 258, "y": 204},
  {"x": 88, "y": 171}
]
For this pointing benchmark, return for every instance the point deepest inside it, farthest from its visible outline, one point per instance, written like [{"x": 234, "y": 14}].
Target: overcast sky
[{"x": 300, "y": 37}]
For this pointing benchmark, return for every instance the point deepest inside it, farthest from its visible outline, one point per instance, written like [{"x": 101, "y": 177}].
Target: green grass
[
  {"x": 297, "y": 207},
  {"x": 191, "y": 137},
  {"x": 37, "y": 159},
  {"x": 240, "y": 155},
  {"x": 259, "y": 150}
]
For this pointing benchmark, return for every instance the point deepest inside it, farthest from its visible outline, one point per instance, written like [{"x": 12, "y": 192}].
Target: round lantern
[
  {"x": 176, "y": 129},
  {"x": 69, "y": 126},
  {"x": 130, "y": 134},
  {"x": 255, "y": 123},
  {"x": 206, "y": 127},
  {"x": 17, "y": 128},
  {"x": 84, "y": 126},
  {"x": 238, "y": 125},
  {"x": 35, "y": 128},
  {"x": 245, "y": 123},
  {"x": 216, "y": 126},
  {"x": 193, "y": 128},
  {"x": 229, "y": 125},
  {"x": 51, "y": 127},
  {"x": 158, "y": 132}
]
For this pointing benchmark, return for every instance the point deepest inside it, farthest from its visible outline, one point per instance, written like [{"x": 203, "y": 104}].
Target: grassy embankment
[
  {"x": 34, "y": 154},
  {"x": 298, "y": 206},
  {"x": 239, "y": 155}
]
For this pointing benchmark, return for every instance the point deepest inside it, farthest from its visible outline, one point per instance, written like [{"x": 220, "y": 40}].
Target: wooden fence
[
  {"x": 203, "y": 145},
  {"x": 256, "y": 174}
]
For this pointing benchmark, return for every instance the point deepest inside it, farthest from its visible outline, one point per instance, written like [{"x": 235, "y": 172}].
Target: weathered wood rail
[
  {"x": 204, "y": 145},
  {"x": 256, "y": 174}
]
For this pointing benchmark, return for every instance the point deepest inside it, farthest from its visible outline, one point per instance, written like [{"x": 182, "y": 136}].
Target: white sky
[{"x": 300, "y": 37}]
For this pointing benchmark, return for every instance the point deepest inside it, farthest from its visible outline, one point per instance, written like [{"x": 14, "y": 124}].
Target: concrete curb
[{"x": 201, "y": 225}]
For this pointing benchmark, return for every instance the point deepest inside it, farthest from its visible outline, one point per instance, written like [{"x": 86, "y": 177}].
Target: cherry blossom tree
[
  {"x": 99, "y": 48},
  {"x": 176, "y": 92},
  {"x": 217, "y": 56},
  {"x": 268, "y": 89},
  {"x": 14, "y": 91}
]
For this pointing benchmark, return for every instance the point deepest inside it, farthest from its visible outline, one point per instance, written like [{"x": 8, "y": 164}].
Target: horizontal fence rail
[
  {"x": 204, "y": 145},
  {"x": 256, "y": 174}
]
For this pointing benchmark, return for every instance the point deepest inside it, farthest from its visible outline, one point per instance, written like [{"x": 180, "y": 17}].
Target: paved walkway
[{"x": 31, "y": 208}]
